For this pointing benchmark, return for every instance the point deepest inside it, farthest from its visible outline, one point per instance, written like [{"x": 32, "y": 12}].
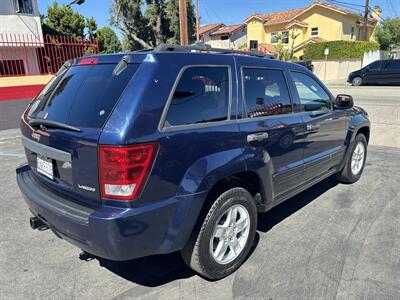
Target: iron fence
[{"x": 22, "y": 54}]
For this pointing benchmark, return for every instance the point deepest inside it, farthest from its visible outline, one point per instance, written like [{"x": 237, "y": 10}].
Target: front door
[
  {"x": 324, "y": 128},
  {"x": 391, "y": 71},
  {"x": 269, "y": 128},
  {"x": 373, "y": 73}
]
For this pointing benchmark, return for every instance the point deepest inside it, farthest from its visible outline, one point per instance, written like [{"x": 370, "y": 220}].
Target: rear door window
[
  {"x": 201, "y": 96},
  {"x": 84, "y": 96},
  {"x": 265, "y": 92}
]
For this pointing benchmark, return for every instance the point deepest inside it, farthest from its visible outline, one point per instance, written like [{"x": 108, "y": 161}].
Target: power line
[
  {"x": 218, "y": 17},
  {"x": 355, "y": 9},
  {"x": 380, "y": 18},
  {"x": 346, "y": 3}
]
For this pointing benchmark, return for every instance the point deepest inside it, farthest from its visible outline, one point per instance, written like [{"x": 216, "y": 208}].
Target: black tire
[
  {"x": 196, "y": 253},
  {"x": 357, "y": 81},
  {"x": 346, "y": 175}
]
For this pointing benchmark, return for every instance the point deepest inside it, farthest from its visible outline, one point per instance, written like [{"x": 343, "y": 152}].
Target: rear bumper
[{"x": 114, "y": 233}]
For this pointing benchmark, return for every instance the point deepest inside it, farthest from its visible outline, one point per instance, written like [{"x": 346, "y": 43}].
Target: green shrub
[{"x": 339, "y": 50}]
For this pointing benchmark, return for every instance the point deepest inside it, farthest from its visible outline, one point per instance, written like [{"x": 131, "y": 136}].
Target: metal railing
[{"x": 22, "y": 54}]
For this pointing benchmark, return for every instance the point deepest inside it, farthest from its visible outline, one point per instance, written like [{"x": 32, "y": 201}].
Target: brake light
[
  {"x": 124, "y": 170},
  {"x": 88, "y": 61}
]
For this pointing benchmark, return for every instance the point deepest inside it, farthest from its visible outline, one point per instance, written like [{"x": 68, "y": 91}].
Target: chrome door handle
[
  {"x": 313, "y": 127},
  {"x": 257, "y": 137}
]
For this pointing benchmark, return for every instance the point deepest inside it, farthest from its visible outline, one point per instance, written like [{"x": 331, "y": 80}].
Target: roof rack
[{"x": 207, "y": 48}]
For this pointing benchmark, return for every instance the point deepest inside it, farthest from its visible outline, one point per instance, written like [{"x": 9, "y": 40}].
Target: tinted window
[
  {"x": 265, "y": 93},
  {"x": 84, "y": 96},
  {"x": 391, "y": 64},
  {"x": 312, "y": 96},
  {"x": 376, "y": 65},
  {"x": 202, "y": 95}
]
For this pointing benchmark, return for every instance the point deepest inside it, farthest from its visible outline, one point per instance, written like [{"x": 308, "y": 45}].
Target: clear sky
[{"x": 228, "y": 11}]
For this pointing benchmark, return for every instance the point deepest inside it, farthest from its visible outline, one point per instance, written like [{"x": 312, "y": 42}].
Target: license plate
[{"x": 45, "y": 167}]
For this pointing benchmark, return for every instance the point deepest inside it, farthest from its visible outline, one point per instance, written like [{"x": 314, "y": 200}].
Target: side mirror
[{"x": 344, "y": 101}]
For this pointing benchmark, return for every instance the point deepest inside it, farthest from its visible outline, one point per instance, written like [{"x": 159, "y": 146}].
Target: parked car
[
  {"x": 130, "y": 155},
  {"x": 379, "y": 72},
  {"x": 306, "y": 63}
]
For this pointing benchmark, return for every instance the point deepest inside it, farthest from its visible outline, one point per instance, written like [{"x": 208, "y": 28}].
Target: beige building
[{"x": 318, "y": 22}]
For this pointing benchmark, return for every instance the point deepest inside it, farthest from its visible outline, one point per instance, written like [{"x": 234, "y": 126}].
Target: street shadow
[
  {"x": 280, "y": 212},
  {"x": 158, "y": 270}
]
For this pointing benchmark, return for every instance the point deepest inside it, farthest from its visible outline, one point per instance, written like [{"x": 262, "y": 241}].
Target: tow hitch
[{"x": 37, "y": 223}]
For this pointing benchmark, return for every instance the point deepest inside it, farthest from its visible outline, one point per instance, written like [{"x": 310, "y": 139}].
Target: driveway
[{"x": 332, "y": 241}]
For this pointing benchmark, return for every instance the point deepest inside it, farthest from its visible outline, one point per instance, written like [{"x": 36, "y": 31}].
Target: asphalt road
[
  {"x": 333, "y": 241},
  {"x": 383, "y": 106},
  {"x": 10, "y": 113}
]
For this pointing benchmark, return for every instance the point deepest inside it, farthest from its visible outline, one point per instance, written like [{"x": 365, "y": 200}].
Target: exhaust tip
[{"x": 37, "y": 223}]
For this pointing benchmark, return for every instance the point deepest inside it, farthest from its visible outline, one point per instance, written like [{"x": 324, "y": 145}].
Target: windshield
[{"x": 82, "y": 96}]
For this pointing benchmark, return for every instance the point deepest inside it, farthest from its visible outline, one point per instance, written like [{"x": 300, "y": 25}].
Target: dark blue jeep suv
[{"x": 174, "y": 149}]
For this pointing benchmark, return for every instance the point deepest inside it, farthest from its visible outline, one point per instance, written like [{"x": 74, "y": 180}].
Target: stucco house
[
  {"x": 221, "y": 36},
  {"x": 19, "y": 20},
  {"x": 206, "y": 30},
  {"x": 318, "y": 22}
]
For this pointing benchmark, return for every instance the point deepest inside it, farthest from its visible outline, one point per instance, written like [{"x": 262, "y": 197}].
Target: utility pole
[
  {"x": 183, "y": 26},
  {"x": 365, "y": 25},
  {"x": 197, "y": 21}
]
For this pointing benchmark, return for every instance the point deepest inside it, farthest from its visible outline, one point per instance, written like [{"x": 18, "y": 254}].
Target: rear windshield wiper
[{"x": 52, "y": 124}]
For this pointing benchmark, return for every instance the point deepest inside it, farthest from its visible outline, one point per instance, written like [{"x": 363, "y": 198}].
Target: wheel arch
[{"x": 247, "y": 179}]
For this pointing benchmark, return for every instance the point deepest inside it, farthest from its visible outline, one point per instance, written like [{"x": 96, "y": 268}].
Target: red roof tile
[
  {"x": 311, "y": 40},
  {"x": 206, "y": 28},
  {"x": 267, "y": 48},
  {"x": 288, "y": 15},
  {"x": 228, "y": 29}
]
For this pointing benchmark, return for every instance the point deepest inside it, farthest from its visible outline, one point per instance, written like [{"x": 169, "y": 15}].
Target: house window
[
  {"x": 224, "y": 37},
  {"x": 352, "y": 33},
  {"x": 275, "y": 37},
  {"x": 314, "y": 31},
  {"x": 23, "y": 6},
  {"x": 253, "y": 45}
]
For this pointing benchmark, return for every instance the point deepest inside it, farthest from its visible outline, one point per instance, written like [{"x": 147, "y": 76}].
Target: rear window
[
  {"x": 201, "y": 96},
  {"x": 83, "y": 96}
]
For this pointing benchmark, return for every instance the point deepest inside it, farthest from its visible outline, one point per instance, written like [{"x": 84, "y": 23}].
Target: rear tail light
[{"x": 124, "y": 170}]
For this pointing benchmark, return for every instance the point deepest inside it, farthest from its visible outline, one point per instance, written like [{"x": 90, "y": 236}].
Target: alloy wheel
[{"x": 230, "y": 234}]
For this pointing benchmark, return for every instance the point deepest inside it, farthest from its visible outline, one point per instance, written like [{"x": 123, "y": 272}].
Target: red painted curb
[{"x": 19, "y": 92}]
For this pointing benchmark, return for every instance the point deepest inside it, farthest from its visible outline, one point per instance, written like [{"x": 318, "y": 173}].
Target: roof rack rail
[{"x": 207, "y": 48}]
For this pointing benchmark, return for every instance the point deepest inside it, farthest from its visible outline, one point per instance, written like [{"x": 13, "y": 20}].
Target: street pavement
[
  {"x": 333, "y": 241},
  {"x": 383, "y": 106},
  {"x": 10, "y": 112}
]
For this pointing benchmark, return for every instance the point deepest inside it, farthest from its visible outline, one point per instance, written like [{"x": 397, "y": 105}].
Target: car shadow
[
  {"x": 280, "y": 212},
  {"x": 158, "y": 270},
  {"x": 150, "y": 271}
]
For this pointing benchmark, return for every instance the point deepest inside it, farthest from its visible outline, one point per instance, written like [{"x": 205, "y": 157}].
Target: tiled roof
[
  {"x": 268, "y": 48},
  {"x": 228, "y": 29},
  {"x": 288, "y": 15},
  {"x": 206, "y": 28},
  {"x": 297, "y": 22},
  {"x": 279, "y": 17},
  {"x": 311, "y": 40}
]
